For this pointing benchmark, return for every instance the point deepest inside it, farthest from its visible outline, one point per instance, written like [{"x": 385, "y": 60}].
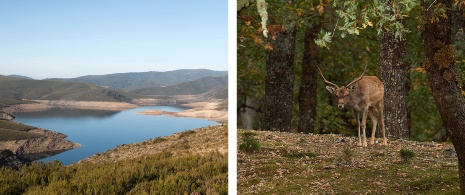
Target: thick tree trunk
[
  {"x": 393, "y": 73},
  {"x": 308, "y": 85},
  {"x": 444, "y": 82},
  {"x": 279, "y": 82}
]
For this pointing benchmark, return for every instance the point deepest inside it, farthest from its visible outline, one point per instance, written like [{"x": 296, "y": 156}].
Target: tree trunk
[
  {"x": 443, "y": 79},
  {"x": 279, "y": 82},
  {"x": 393, "y": 73},
  {"x": 308, "y": 85}
]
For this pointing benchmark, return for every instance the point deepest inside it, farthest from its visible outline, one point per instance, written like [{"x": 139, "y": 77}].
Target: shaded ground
[{"x": 292, "y": 163}]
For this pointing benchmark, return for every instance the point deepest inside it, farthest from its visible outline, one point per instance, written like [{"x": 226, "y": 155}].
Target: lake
[{"x": 98, "y": 131}]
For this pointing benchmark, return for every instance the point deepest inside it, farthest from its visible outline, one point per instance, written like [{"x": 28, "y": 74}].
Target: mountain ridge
[
  {"x": 194, "y": 87},
  {"x": 136, "y": 80},
  {"x": 17, "y": 89}
]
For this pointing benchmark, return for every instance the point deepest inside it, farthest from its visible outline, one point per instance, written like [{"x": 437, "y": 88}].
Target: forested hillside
[
  {"x": 137, "y": 80},
  {"x": 194, "y": 87},
  {"x": 17, "y": 89}
]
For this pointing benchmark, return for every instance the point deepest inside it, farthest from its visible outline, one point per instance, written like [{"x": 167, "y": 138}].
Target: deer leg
[
  {"x": 381, "y": 118},
  {"x": 364, "y": 123},
  {"x": 357, "y": 118},
  {"x": 374, "y": 120}
]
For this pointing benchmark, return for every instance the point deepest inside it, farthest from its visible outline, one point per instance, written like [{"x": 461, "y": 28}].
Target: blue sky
[{"x": 64, "y": 39}]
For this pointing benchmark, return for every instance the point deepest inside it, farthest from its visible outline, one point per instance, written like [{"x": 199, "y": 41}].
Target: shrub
[
  {"x": 249, "y": 143},
  {"x": 406, "y": 154}
]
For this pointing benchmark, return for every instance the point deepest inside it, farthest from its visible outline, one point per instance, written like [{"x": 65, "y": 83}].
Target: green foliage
[
  {"x": 248, "y": 142},
  {"x": 155, "y": 174},
  {"x": 406, "y": 154},
  {"x": 355, "y": 16}
]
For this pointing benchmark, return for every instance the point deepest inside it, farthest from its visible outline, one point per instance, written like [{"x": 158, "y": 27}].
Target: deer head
[{"x": 342, "y": 93}]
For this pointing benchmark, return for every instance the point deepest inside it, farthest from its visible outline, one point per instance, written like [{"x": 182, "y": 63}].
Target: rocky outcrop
[
  {"x": 48, "y": 142},
  {"x": 9, "y": 159},
  {"x": 6, "y": 116}
]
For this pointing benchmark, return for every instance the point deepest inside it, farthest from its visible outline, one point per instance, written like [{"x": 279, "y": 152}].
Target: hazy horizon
[
  {"x": 108, "y": 73},
  {"x": 64, "y": 39}
]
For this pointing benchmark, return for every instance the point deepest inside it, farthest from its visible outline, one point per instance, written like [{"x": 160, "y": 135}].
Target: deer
[{"x": 364, "y": 94}]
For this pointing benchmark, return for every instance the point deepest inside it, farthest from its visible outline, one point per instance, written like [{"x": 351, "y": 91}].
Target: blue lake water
[{"x": 98, "y": 131}]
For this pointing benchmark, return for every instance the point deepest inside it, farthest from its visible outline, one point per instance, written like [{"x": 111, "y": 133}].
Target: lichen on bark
[
  {"x": 261, "y": 7},
  {"x": 445, "y": 56}
]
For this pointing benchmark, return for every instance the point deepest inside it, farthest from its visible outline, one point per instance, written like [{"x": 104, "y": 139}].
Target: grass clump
[
  {"x": 187, "y": 133},
  {"x": 248, "y": 142},
  {"x": 347, "y": 156},
  {"x": 406, "y": 154},
  {"x": 297, "y": 154}
]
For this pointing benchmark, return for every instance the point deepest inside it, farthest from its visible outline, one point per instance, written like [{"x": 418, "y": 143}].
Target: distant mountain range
[
  {"x": 207, "y": 84},
  {"x": 139, "y": 80},
  {"x": 19, "y": 76}
]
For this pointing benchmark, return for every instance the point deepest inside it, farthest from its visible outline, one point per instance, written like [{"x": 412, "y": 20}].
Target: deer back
[{"x": 368, "y": 91}]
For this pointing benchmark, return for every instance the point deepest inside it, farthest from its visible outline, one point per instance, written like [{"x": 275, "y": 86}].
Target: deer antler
[
  {"x": 360, "y": 77},
  {"x": 324, "y": 79}
]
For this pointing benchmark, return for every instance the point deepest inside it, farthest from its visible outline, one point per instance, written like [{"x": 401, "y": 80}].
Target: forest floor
[{"x": 294, "y": 163}]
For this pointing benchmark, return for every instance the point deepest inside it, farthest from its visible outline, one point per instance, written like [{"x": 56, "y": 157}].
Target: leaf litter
[{"x": 295, "y": 163}]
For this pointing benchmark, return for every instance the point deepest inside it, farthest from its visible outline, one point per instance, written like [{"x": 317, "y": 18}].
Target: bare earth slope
[{"x": 292, "y": 163}]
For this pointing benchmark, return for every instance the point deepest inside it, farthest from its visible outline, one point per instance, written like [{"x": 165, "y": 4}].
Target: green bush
[
  {"x": 406, "y": 154},
  {"x": 155, "y": 174},
  {"x": 249, "y": 143}
]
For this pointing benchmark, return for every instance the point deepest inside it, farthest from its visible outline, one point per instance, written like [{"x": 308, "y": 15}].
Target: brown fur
[{"x": 367, "y": 96}]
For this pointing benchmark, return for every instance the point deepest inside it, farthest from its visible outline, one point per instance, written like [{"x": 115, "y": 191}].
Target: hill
[
  {"x": 137, "y": 80},
  {"x": 195, "y": 87},
  {"x": 19, "y": 76},
  {"x": 190, "y": 162},
  {"x": 17, "y": 88},
  {"x": 294, "y": 163},
  {"x": 220, "y": 93}
]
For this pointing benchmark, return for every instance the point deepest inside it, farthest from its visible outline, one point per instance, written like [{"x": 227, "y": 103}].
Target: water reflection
[{"x": 66, "y": 113}]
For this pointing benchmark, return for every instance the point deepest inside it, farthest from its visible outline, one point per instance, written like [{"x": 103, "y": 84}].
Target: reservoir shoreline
[{"x": 53, "y": 145}]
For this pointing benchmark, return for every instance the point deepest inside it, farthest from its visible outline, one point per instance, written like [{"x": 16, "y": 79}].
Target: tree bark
[
  {"x": 308, "y": 85},
  {"x": 393, "y": 73},
  {"x": 443, "y": 79},
  {"x": 279, "y": 82}
]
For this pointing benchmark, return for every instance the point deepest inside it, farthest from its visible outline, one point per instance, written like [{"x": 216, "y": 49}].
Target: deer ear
[
  {"x": 331, "y": 90},
  {"x": 353, "y": 87}
]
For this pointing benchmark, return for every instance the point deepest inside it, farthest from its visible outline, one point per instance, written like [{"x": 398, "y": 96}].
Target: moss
[
  {"x": 447, "y": 75},
  {"x": 426, "y": 64},
  {"x": 444, "y": 56}
]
